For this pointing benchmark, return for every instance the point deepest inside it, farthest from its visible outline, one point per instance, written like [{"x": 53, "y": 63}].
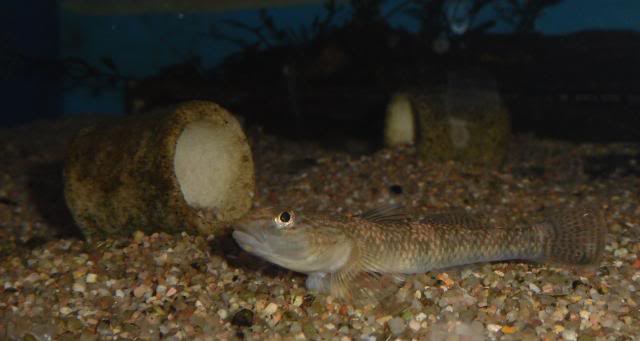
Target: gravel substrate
[{"x": 185, "y": 287}]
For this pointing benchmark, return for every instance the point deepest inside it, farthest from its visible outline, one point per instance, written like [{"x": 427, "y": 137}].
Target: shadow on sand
[{"x": 46, "y": 189}]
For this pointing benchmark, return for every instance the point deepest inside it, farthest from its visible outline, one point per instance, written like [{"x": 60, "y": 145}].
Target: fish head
[{"x": 293, "y": 241}]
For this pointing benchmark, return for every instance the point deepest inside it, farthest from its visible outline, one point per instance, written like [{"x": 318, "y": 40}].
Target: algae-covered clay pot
[
  {"x": 462, "y": 121},
  {"x": 183, "y": 168},
  {"x": 475, "y": 130}
]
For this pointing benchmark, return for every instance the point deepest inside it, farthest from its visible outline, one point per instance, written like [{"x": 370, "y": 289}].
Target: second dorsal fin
[{"x": 461, "y": 219}]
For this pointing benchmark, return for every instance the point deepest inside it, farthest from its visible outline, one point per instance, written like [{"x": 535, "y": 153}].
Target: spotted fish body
[
  {"x": 336, "y": 253},
  {"x": 421, "y": 247}
]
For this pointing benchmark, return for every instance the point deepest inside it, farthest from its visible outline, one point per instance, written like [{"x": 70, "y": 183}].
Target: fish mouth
[{"x": 249, "y": 242}]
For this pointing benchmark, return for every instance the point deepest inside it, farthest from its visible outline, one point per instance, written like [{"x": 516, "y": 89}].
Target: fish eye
[{"x": 284, "y": 219}]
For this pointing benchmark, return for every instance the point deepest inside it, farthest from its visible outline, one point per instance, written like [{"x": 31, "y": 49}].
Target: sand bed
[{"x": 185, "y": 287}]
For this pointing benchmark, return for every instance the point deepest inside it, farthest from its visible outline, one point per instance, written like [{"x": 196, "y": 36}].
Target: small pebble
[
  {"x": 172, "y": 280},
  {"x": 570, "y": 335},
  {"x": 414, "y": 325},
  {"x": 161, "y": 290},
  {"x": 297, "y": 301},
  {"x": 140, "y": 290},
  {"x": 138, "y": 236},
  {"x": 91, "y": 278},
  {"x": 295, "y": 328},
  {"x": 243, "y": 318},
  {"x": 509, "y": 329},
  {"x": 33, "y": 277},
  {"x": 534, "y": 288},
  {"x": 65, "y": 310},
  {"x": 223, "y": 314},
  {"x": 79, "y": 287},
  {"x": 494, "y": 328},
  {"x": 620, "y": 253},
  {"x": 396, "y": 325},
  {"x": 270, "y": 309},
  {"x": 558, "y": 329},
  {"x": 384, "y": 319}
]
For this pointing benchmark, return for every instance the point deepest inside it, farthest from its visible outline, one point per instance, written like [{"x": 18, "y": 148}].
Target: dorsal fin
[
  {"x": 386, "y": 214},
  {"x": 458, "y": 219}
]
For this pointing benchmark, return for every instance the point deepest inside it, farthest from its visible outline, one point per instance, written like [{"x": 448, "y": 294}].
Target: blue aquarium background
[{"x": 61, "y": 60}]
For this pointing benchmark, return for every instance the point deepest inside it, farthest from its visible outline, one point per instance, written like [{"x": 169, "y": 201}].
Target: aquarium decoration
[
  {"x": 186, "y": 167},
  {"x": 400, "y": 121},
  {"x": 465, "y": 120}
]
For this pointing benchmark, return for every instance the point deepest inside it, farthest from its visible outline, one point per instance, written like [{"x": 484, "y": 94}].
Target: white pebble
[
  {"x": 584, "y": 314},
  {"x": 620, "y": 253},
  {"x": 534, "y": 288},
  {"x": 119, "y": 293},
  {"x": 494, "y": 328},
  {"x": 421, "y": 317},
  {"x": 297, "y": 301},
  {"x": 223, "y": 314},
  {"x": 65, "y": 310},
  {"x": 270, "y": 309},
  {"x": 414, "y": 325},
  {"x": 91, "y": 278}
]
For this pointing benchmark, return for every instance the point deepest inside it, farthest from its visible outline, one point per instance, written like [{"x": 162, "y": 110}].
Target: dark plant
[
  {"x": 434, "y": 20},
  {"x": 267, "y": 34},
  {"x": 522, "y": 15},
  {"x": 365, "y": 12}
]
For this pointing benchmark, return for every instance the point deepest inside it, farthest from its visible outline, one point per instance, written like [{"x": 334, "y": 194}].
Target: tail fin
[{"x": 576, "y": 236}]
